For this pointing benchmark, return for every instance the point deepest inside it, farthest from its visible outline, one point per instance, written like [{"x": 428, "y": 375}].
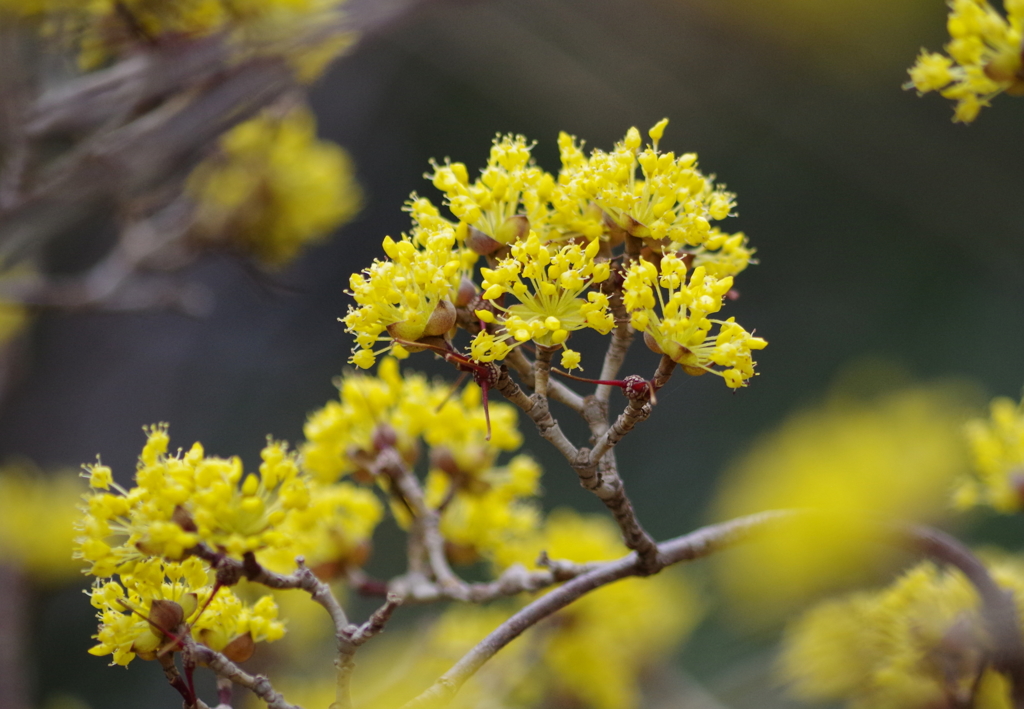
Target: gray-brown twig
[{"x": 998, "y": 607}]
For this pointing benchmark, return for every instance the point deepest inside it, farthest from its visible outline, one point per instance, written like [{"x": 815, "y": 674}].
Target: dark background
[{"x": 882, "y": 229}]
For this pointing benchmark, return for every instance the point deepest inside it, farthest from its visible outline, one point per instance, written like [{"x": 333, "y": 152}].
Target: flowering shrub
[{"x": 199, "y": 564}]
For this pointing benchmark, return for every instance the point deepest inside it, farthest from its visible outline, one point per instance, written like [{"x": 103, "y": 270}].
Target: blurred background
[{"x": 889, "y": 242}]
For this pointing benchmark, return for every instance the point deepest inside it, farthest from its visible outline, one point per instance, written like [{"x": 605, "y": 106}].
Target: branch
[
  {"x": 230, "y": 570},
  {"x": 556, "y": 389},
  {"x": 691, "y": 546},
  {"x": 536, "y": 407},
  {"x": 425, "y": 521},
  {"x": 514, "y": 580},
  {"x": 223, "y": 667},
  {"x": 542, "y": 371},
  {"x": 622, "y": 338},
  {"x": 998, "y": 607}
]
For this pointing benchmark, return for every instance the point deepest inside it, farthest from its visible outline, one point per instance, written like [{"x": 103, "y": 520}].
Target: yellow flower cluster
[
  {"x": 42, "y": 551},
  {"x": 399, "y": 409},
  {"x": 151, "y": 607},
  {"x": 409, "y": 296},
  {"x": 485, "y": 506},
  {"x": 673, "y": 205},
  {"x": 850, "y": 459},
  {"x": 510, "y": 186},
  {"x": 997, "y": 444},
  {"x": 917, "y": 644},
  {"x": 682, "y": 329},
  {"x": 183, "y": 500},
  {"x": 273, "y": 188},
  {"x": 101, "y": 29},
  {"x": 985, "y": 57},
  {"x": 550, "y": 244},
  {"x": 550, "y": 307},
  {"x": 485, "y": 514}
]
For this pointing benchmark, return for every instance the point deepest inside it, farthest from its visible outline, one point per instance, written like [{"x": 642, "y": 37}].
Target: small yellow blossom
[
  {"x": 919, "y": 643},
  {"x": 985, "y": 57},
  {"x": 333, "y": 533},
  {"x": 677, "y": 324},
  {"x": 409, "y": 295},
  {"x": 274, "y": 188},
  {"x": 997, "y": 444}
]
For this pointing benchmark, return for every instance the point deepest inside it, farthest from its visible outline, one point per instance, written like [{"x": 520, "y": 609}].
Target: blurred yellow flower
[
  {"x": 27, "y": 498},
  {"x": 274, "y": 187},
  {"x": 891, "y": 458},
  {"x": 997, "y": 445},
  {"x": 917, "y": 644}
]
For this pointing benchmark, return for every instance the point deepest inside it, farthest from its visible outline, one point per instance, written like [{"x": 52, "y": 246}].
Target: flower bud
[
  {"x": 466, "y": 293},
  {"x": 652, "y": 344},
  {"x": 441, "y": 320},
  {"x": 384, "y": 437},
  {"x": 515, "y": 228},
  {"x": 165, "y": 615},
  {"x": 479, "y": 243},
  {"x": 240, "y": 649}
]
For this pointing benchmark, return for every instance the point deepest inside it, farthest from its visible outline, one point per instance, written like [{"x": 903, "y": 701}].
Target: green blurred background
[{"x": 884, "y": 232}]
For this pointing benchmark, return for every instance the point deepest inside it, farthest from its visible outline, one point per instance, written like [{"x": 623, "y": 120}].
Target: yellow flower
[
  {"x": 333, "y": 533},
  {"x": 673, "y": 205},
  {"x": 407, "y": 297},
  {"x": 918, "y": 643},
  {"x": 142, "y": 614},
  {"x": 850, "y": 461},
  {"x": 550, "y": 307},
  {"x": 180, "y": 501},
  {"x": 510, "y": 185},
  {"x": 42, "y": 551},
  {"x": 274, "y": 188},
  {"x": 676, "y": 324},
  {"x": 984, "y": 57},
  {"x": 997, "y": 445},
  {"x": 400, "y": 409}
]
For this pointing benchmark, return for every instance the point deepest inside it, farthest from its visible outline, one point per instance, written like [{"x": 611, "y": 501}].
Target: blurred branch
[{"x": 998, "y": 607}]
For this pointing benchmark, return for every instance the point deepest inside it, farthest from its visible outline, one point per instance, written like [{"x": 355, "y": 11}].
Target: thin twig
[
  {"x": 688, "y": 547},
  {"x": 998, "y": 607},
  {"x": 537, "y": 409},
  {"x": 223, "y": 667},
  {"x": 556, "y": 389},
  {"x": 425, "y": 521},
  {"x": 542, "y": 371},
  {"x": 622, "y": 338},
  {"x": 230, "y": 570}
]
